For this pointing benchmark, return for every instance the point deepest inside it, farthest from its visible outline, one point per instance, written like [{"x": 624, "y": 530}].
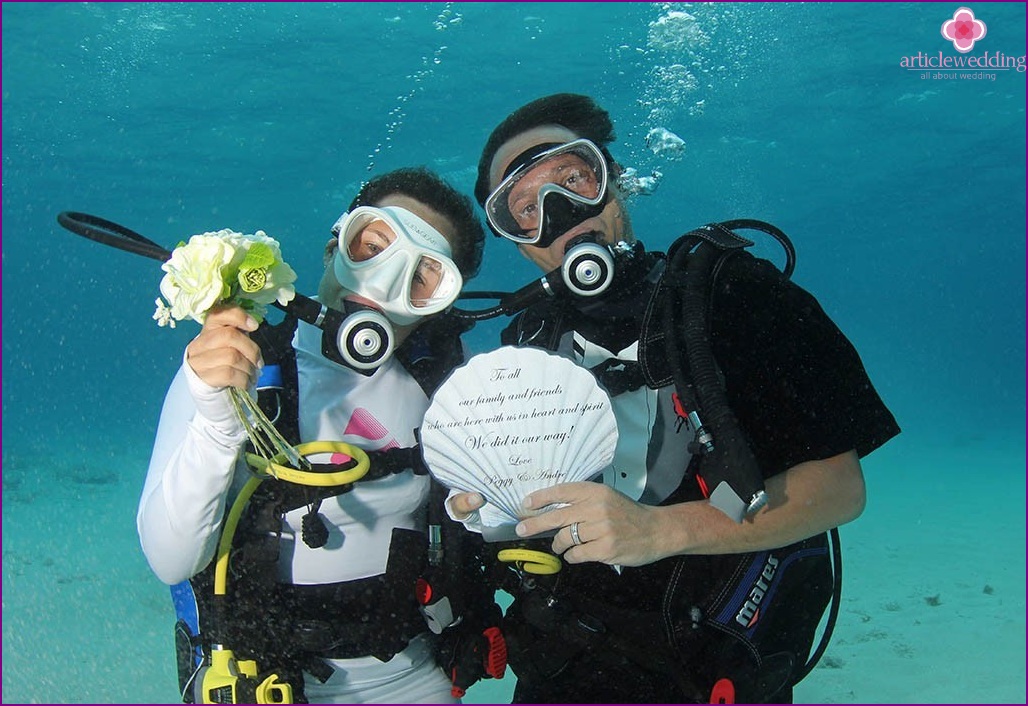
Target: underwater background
[{"x": 902, "y": 188}]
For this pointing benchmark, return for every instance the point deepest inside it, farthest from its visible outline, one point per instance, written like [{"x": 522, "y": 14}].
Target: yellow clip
[
  {"x": 228, "y": 679},
  {"x": 273, "y": 691}
]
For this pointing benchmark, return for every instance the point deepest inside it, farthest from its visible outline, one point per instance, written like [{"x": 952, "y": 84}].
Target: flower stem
[{"x": 266, "y": 439}]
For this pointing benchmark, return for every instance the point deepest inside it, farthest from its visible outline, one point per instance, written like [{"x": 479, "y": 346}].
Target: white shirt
[{"x": 196, "y": 468}]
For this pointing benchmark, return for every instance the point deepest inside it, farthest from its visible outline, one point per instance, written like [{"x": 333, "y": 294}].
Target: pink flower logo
[{"x": 963, "y": 30}]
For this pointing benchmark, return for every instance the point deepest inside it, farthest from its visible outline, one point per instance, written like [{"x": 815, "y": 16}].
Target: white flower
[
  {"x": 194, "y": 283},
  {"x": 229, "y": 267},
  {"x": 163, "y": 315},
  {"x": 224, "y": 267},
  {"x": 279, "y": 276}
]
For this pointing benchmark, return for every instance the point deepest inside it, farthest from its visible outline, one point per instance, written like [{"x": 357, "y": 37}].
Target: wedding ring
[{"x": 574, "y": 533}]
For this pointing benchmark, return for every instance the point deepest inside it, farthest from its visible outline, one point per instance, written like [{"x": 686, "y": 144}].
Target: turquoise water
[{"x": 903, "y": 191}]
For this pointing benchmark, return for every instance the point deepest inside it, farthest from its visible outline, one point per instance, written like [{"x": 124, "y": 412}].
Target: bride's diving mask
[
  {"x": 397, "y": 260},
  {"x": 393, "y": 258},
  {"x": 548, "y": 190}
]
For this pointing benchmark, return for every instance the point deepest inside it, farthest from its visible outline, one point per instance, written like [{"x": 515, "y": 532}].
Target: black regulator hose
[
  {"x": 110, "y": 233},
  {"x": 480, "y": 314},
  {"x": 730, "y": 457},
  {"x": 833, "y": 610},
  {"x": 725, "y": 428}
]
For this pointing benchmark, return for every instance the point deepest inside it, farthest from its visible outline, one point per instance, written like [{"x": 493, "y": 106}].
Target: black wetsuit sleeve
[{"x": 794, "y": 381}]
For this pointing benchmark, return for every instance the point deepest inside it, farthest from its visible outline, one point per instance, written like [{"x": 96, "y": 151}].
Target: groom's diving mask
[
  {"x": 547, "y": 190},
  {"x": 390, "y": 257}
]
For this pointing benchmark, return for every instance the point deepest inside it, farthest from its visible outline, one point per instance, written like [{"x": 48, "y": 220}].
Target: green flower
[{"x": 275, "y": 277}]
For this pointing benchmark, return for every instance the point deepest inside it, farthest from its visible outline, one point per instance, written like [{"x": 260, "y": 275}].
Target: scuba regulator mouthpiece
[
  {"x": 588, "y": 267},
  {"x": 363, "y": 340},
  {"x": 358, "y": 337},
  {"x": 586, "y": 271}
]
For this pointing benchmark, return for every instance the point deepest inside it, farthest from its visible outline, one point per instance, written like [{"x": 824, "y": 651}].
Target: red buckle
[
  {"x": 679, "y": 407},
  {"x": 723, "y": 692},
  {"x": 496, "y": 658},
  {"x": 455, "y": 691},
  {"x": 423, "y": 591},
  {"x": 703, "y": 485}
]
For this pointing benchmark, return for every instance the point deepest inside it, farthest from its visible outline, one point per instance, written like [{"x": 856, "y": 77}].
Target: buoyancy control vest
[
  {"x": 285, "y": 629},
  {"x": 734, "y": 627}
]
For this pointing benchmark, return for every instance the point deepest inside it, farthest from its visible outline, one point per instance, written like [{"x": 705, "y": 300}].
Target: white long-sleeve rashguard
[{"x": 196, "y": 469}]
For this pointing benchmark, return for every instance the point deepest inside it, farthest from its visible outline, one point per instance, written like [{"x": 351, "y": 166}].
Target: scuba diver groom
[{"x": 665, "y": 597}]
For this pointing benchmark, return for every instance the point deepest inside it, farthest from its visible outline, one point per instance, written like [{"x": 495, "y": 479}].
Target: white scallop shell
[{"x": 515, "y": 420}]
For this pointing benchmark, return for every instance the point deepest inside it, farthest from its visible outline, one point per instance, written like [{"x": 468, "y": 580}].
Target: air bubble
[{"x": 666, "y": 143}]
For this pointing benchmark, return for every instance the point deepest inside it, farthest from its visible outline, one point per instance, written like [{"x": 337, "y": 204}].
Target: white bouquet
[{"x": 223, "y": 268}]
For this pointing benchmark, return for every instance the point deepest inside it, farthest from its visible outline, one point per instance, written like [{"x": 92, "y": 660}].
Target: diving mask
[
  {"x": 395, "y": 259},
  {"x": 548, "y": 190}
]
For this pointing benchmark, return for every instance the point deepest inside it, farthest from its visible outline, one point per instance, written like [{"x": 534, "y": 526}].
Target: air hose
[
  {"x": 531, "y": 561},
  {"x": 729, "y": 472}
]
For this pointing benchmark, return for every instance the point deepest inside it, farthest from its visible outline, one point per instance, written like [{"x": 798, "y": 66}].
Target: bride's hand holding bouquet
[
  {"x": 225, "y": 280},
  {"x": 223, "y": 355}
]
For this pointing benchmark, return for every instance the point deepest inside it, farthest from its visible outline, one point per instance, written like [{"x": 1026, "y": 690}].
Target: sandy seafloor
[{"x": 933, "y": 606}]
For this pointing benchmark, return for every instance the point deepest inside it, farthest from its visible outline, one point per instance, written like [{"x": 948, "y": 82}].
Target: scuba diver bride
[{"x": 340, "y": 583}]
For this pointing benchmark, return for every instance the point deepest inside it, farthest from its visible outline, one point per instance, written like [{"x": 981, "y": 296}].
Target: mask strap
[{"x": 528, "y": 156}]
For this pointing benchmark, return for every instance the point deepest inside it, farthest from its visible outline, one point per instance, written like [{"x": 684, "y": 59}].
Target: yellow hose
[
  {"x": 225, "y": 544},
  {"x": 532, "y": 561},
  {"x": 275, "y": 469}
]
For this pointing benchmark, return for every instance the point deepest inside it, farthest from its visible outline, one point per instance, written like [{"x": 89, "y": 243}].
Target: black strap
[
  {"x": 433, "y": 350},
  {"x": 655, "y": 336},
  {"x": 281, "y": 402}
]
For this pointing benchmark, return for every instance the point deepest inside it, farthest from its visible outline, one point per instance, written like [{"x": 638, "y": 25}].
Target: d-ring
[{"x": 574, "y": 534}]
